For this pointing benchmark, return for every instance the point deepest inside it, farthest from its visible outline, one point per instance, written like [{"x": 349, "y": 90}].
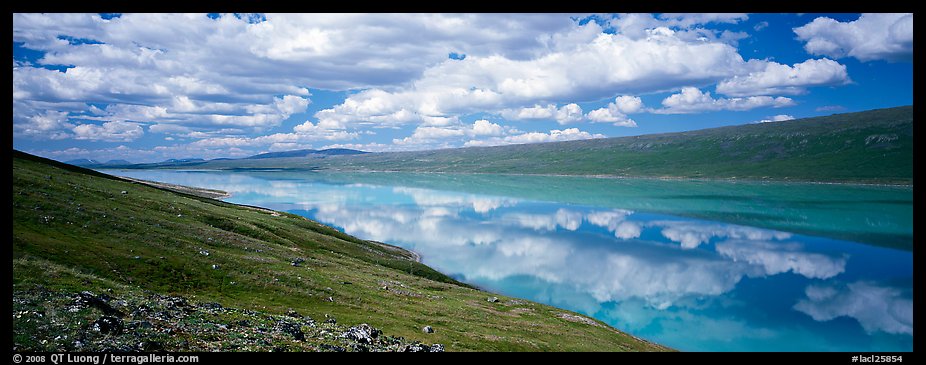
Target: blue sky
[{"x": 148, "y": 87}]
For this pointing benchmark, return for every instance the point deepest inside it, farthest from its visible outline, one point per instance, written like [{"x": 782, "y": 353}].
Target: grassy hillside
[
  {"x": 867, "y": 147},
  {"x": 173, "y": 271}
]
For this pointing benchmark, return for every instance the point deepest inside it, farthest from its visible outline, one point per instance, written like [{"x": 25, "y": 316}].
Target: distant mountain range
[
  {"x": 83, "y": 162},
  {"x": 88, "y": 162},
  {"x": 874, "y": 146}
]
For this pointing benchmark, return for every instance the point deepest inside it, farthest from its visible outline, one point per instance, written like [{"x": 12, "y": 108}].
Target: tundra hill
[
  {"x": 103, "y": 263},
  {"x": 873, "y": 146}
]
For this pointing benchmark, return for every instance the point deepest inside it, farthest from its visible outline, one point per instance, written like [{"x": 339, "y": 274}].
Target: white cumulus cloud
[
  {"x": 616, "y": 111},
  {"x": 569, "y": 113},
  {"x": 693, "y": 100},
  {"x": 876, "y": 307},
  {"x": 555, "y": 135},
  {"x": 611, "y": 63},
  {"x": 783, "y": 79},
  {"x": 779, "y": 257},
  {"x": 484, "y": 127},
  {"x": 879, "y": 36},
  {"x": 109, "y": 131},
  {"x": 776, "y": 118}
]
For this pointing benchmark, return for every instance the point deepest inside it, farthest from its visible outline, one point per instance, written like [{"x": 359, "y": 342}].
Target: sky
[{"x": 151, "y": 87}]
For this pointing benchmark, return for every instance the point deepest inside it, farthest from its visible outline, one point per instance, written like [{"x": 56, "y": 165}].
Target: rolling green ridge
[
  {"x": 873, "y": 146},
  {"x": 242, "y": 268}
]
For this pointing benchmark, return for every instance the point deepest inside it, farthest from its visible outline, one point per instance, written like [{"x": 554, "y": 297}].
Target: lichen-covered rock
[
  {"x": 107, "y": 325},
  {"x": 363, "y": 333},
  {"x": 172, "y": 323}
]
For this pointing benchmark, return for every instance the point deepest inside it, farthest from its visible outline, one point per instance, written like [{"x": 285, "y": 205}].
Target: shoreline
[
  {"x": 222, "y": 195},
  {"x": 407, "y": 253},
  {"x": 414, "y": 255},
  {"x": 197, "y": 191},
  {"x": 591, "y": 176},
  {"x": 617, "y": 177}
]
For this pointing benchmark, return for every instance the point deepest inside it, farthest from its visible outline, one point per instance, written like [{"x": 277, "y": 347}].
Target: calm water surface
[{"x": 698, "y": 266}]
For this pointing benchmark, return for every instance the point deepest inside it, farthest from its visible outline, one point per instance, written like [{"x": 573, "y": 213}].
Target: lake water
[{"x": 698, "y": 266}]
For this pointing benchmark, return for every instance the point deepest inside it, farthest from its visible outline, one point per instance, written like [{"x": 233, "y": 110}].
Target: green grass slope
[
  {"x": 873, "y": 146},
  {"x": 77, "y": 230}
]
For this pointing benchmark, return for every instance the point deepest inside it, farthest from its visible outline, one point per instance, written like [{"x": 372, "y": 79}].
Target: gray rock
[
  {"x": 417, "y": 347},
  {"x": 86, "y": 298},
  {"x": 427, "y": 329},
  {"x": 215, "y": 267},
  {"x": 291, "y": 329},
  {"x": 492, "y": 299},
  {"x": 363, "y": 333},
  {"x": 150, "y": 346},
  {"x": 108, "y": 325},
  {"x": 374, "y": 333},
  {"x": 437, "y": 347}
]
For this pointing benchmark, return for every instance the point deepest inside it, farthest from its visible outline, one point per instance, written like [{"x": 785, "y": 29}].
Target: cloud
[
  {"x": 567, "y": 219},
  {"x": 879, "y": 36},
  {"x": 451, "y": 130},
  {"x": 687, "y": 20},
  {"x": 776, "y": 118},
  {"x": 830, "y": 108},
  {"x": 760, "y": 25},
  {"x": 692, "y": 234},
  {"x": 142, "y": 155},
  {"x": 689, "y": 27},
  {"x": 569, "y": 113},
  {"x": 616, "y": 112},
  {"x": 605, "y": 272},
  {"x": 876, "y": 307},
  {"x": 555, "y": 135},
  {"x": 612, "y": 63},
  {"x": 480, "y": 204},
  {"x": 232, "y": 81},
  {"x": 301, "y": 138},
  {"x": 193, "y": 70},
  {"x": 776, "y": 78},
  {"x": 692, "y": 100},
  {"x": 484, "y": 127},
  {"x": 109, "y": 132},
  {"x": 46, "y": 125},
  {"x": 779, "y": 257},
  {"x": 615, "y": 221}
]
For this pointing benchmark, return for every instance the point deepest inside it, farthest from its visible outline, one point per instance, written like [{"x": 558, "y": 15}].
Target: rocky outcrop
[{"x": 45, "y": 320}]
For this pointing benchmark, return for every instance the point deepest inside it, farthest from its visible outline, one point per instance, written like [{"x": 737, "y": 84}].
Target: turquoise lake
[{"x": 694, "y": 265}]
